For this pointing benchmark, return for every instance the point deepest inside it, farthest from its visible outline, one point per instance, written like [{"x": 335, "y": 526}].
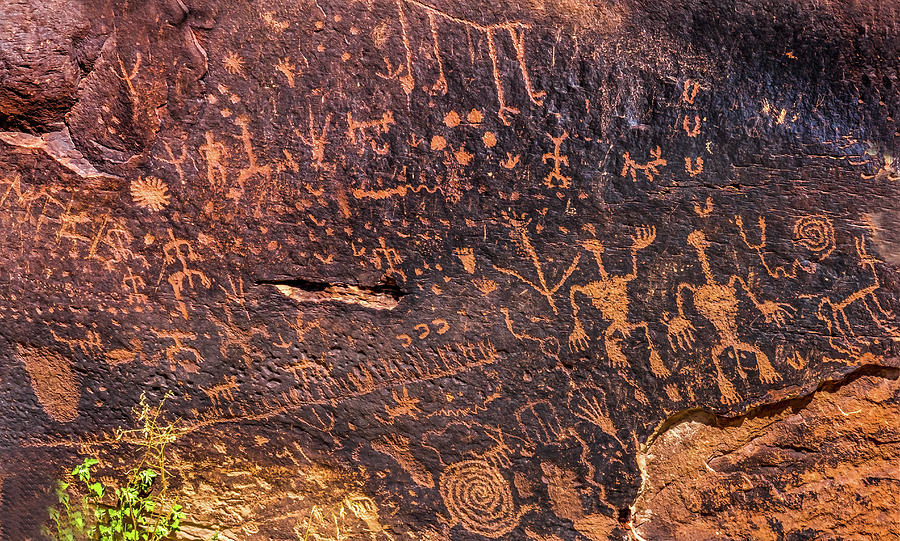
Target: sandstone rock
[{"x": 460, "y": 261}]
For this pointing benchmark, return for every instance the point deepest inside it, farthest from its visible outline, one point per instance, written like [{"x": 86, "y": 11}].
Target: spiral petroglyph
[
  {"x": 479, "y": 498},
  {"x": 815, "y": 233}
]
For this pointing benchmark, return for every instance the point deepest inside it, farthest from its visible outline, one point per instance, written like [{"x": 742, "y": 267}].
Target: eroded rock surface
[
  {"x": 824, "y": 467},
  {"x": 467, "y": 258}
]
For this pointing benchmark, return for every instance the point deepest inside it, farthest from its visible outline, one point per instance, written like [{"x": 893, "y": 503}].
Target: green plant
[{"x": 138, "y": 510}]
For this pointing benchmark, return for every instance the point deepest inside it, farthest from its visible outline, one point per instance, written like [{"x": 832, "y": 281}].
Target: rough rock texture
[
  {"x": 444, "y": 270},
  {"x": 822, "y": 467}
]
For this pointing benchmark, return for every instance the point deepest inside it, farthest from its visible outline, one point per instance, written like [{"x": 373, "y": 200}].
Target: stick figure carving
[
  {"x": 718, "y": 304},
  {"x": 835, "y": 318},
  {"x": 609, "y": 294}
]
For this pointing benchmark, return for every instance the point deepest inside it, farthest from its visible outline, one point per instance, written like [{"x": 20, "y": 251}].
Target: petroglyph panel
[{"x": 469, "y": 257}]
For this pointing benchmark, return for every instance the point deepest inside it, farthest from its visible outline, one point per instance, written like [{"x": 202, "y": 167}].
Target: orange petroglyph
[
  {"x": 268, "y": 17},
  {"x": 478, "y": 496},
  {"x": 441, "y": 84},
  {"x": 181, "y": 251},
  {"x": 223, "y": 392},
  {"x": 150, "y": 193},
  {"x": 357, "y": 130},
  {"x": 718, "y": 304},
  {"x": 442, "y": 325},
  {"x": 381, "y": 125},
  {"x": 128, "y": 78},
  {"x": 177, "y": 164},
  {"x": 610, "y": 296},
  {"x": 520, "y": 237},
  {"x": 555, "y": 178},
  {"x": 253, "y": 168},
  {"x": 467, "y": 258},
  {"x": 233, "y": 63},
  {"x": 706, "y": 209},
  {"x": 316, "y": 141},
  {"x": 834, "y": 313},
  {"x": 484, "y": 285},
  {"x": 816, "y": 234},
  {"x": 693, "y": 166},
  {"x": 510, "y": 161},
  {"x": 463, "y": 157},
  {"x": 549, "y": 346},
  {"x": 565, "y": 500},
  {"x": 287, "y": 69},
  {"x": 438, "y": 142},
  {"x": 214, "y": 153},
  {"x": 52, "y": 380},
  {"x": 780, "y": 271},
  {"x": 178, "y": 353},
  {"x": 405, "y": 405},
  {"x": 793, "y": 358},
  {"x": 692, "y": 131},
  {"x": 451, "y": 119},
  {"x": 690, "y": 91},
  {"x": 387, "y": 193},
  {"x": 649, "y": 169},
  {"x": 397, "y": 447},
  {"x": 489, "y": 139},
  {"x": 407, "y": 82},
  {"x": 516, "y": 31},
  {"x": 475, "y": 116},
  {"x": 387, "y": 258},
  {"x": 90, "y": 345},
  {"x": 124, "y": 355}
]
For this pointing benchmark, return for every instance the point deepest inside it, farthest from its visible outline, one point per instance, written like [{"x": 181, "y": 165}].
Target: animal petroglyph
[
  {"x": 650, "y": 169},
  {"x": 834, "y": 313},
  {"x": 515, "y": 30}
]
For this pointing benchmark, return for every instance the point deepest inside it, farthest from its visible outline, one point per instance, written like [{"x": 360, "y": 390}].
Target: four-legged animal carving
[
  {"x": 834, "y": 313},
  {"x": 609, "y": 294},
  {"x": 718, "y": 303}
]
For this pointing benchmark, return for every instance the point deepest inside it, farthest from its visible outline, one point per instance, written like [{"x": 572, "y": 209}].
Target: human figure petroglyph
[
  {"x": 555, "y": 178},
  {"x": 316, "y": 141},
  {"x": 215, "y": 152},
  {"x": 609, "y": 294},
  {"x": 181, "y": 251},
  {"x": 718, "y": 304},
  {"x": 834, "y": 313}
]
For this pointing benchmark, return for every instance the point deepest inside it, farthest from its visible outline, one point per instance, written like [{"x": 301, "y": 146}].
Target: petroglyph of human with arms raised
[
  {"x": 718, "y": 303},
  {"x": 609, "y": 294}
]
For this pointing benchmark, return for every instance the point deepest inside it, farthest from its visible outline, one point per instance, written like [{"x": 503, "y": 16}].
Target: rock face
[
  {"x": 453, "y": 271},
  {"x": 822, "y": 467}
]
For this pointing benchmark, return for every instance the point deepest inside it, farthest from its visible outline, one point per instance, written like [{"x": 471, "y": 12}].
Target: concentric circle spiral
[
  {"x": 815, "y": 233},
  {"x": 479, "y": 498}
]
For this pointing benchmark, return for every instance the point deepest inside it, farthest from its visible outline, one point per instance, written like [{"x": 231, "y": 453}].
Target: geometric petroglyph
[
  {"x": 150, "y": 193},
  {"x": 479, "y": 498}
]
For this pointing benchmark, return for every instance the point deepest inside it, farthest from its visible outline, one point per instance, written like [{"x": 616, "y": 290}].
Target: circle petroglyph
[
  {"x": 479, "y": 498},
  {"x": 815, "y": 233}
]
